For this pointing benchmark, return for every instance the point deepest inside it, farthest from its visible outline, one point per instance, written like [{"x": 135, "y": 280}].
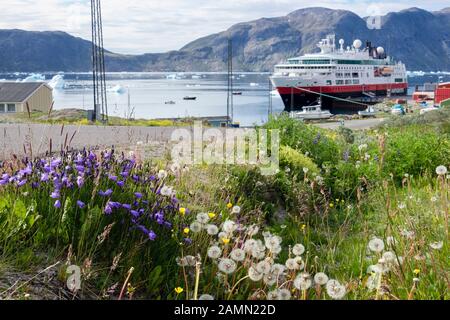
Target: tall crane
[{"x": 98, "y": 63}]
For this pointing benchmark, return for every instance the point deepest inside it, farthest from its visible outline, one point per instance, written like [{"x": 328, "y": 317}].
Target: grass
[
  {"x": 79, "y": 117},
  {"x": 368, "y": 208}
]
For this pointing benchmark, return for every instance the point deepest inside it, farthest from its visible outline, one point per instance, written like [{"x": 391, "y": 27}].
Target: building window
[
  {"x": 355, "y": 81},
  {"x": 2, "y": 108},
  {"x": 348, "y": 81},
  {"x": 11, "y": 108},
  {"x": 339, "y": 82},
  {"x": 329, "y": 82},
  {"x": 355, "y": 74}
]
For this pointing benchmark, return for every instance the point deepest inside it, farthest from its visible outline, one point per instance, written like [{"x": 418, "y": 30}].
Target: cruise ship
[{"x": 344, "y": 79}]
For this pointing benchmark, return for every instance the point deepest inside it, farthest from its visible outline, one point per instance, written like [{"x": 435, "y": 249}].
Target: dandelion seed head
[
  {"x": 437, "y": 245},
  {"x": 321, "y": 279},
  {"x": 254, "y": 275},
  {"x": 376, "y": 245},
  {"x": 205, "y": 297},
  {"x": 227, "y": 266},
  {"x": 214, "y": 252},
  {"x": 298, "y": 249},
  {"x": 303, "y": 281},
  {"x": 212, "y": 229},
  {"x": 263, "y": 267},
  {"x": 196, "y": 227},
  {"x": 335, "y": 290},
  {"x": 237, "y": 255},
  {"x": 203, "y": 218},
  {"x": 441, "y": 170},
  {"x": 229, "y": 226}
]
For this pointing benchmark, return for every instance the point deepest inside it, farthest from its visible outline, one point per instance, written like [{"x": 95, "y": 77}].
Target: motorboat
[
  {"x": 312, "y": 113},
  {"x": 428, "y": 109},
  {"x": 170, "y": 102},
  {"x": 190, "y": 98},
  {"x": 369, "y": 112},
  {"x": 398, "y": 110}
]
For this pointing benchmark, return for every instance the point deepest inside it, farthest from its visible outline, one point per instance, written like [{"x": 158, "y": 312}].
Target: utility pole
[
  {"x": 230, "y": 102},
  {"x": 98, "y": 63}
]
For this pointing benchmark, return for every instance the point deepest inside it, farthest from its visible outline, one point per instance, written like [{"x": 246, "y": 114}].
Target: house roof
[{"x": 18, "y": 91}]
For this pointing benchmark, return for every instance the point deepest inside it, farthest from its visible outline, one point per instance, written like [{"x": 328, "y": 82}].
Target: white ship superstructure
[{"x": 339, "y": 74}]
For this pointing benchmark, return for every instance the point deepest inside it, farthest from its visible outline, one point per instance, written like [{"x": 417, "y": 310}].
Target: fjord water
[{"x": 149, "y": 92}]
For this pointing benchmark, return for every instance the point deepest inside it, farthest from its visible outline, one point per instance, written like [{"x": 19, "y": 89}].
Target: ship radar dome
[
  {"x": 341, "y": 42},
  {"x": 380, "y": 50},
  {"x": 357, "y": 44}
]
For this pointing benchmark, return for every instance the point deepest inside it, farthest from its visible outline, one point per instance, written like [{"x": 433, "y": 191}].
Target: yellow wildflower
[
  {"x": 211, "y": 215},
  {"x": 416, "y": 271},
  {"x": 179, "y": 290},
  {"x": 182, "y": 211},
  {"x": 225, "y": 240},
  {"x": 186, "y": 230},
  {"x": 303, "y": 227},
  {"x": 229, "y": 205},
  {"x": 331, "y": 205}
]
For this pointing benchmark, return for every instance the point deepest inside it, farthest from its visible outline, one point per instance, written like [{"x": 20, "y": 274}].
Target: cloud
[{"x": 138, "y": 26}]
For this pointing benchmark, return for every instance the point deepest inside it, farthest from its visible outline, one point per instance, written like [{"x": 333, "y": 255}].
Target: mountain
[{"x": 415, "y": 36}]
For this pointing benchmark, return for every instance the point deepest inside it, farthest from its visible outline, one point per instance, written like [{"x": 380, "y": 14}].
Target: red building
[{"x": 442, "y": 92}]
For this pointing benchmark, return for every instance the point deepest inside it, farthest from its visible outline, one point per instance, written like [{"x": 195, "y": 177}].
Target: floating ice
[
  {"x": 57, "y": 82},
  {"x": 34, "y": 77},
  {"x": 117, "y": 89}
]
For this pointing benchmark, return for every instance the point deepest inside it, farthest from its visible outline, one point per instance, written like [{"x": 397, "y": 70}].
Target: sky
[{"x": 148, "y": 26}]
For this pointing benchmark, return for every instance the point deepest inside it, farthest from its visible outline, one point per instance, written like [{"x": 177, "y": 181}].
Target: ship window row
[
  {"x": 340, "y": 82},
  {"x": 304, "y": 68}
]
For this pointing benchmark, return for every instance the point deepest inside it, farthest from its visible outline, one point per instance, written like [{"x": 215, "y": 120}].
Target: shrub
[{"x": 297, "y": 162}]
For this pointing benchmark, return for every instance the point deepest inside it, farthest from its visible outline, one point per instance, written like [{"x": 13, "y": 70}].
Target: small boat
[
  {"x": 312, "y": 113},
  {"x": 428, "y": 109},
  {"x": 170, "y": 102},
  {"x": 238, "y": 93},
  {"x": 369, "y": 112},
  {"x": 190, "y": 98}
]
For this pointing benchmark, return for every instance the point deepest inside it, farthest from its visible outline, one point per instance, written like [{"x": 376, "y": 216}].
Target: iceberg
[
  {"x": 118, "y": 89},
  {"x": 57, "y": 82},
  {"x": 34, "y": 77}
]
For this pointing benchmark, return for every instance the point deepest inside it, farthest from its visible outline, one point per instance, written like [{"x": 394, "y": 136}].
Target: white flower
[
  {"x": 335, "y": 290},
  {"x": 254, "y": 275},
  {"x": 434, "y": 199},
  {"x": 162, "y": 174},
  {"x": 203, "y": 218},
  {"x": 441, "y": 170},
  {"x": 227, "y": 266},
  {"x": 284, "y": 294},
  {"x": 362, "y": 147},
  {"x": 272, "y": 242},
  {"x": 276, "y": 250},
  {"x": 402, "y": 205},
  {"x": 437, "y": 245},
  {"x": 376, "y": 245},
  {"x": 249, "y": 245},
  {"x": 321, "y": 279},
  {"x": 212, "y": 229},
  {"x": 206, "y": 297},
  {"x": 196, "y": 227},
  {"x": 278, "y": 269},
  {"x": 229, "y": 226},
  {"x": 373, "y": 281},
  {"x": 182, "y": 262},
  {"x": 263, "y": 267},
  {"x": 191, "y": 261},
  {"x": 305, "y": 170},
  {"x": 291, "y": 264},
  {"x": 298, "y": 249},
  {"x": 272, "y": 295},
  {"x": 375, "y": 268},
  {"x": 303, "y": 281},
  {"x": 236, "y": 210},
  {"x": 253, "y": 230},
  {"x": 389, "y": 256},
  {"x": 270, "y": 279},
  {"x": 237, "y": 255},
  {"x": 167, "y": 191},
  {"x": 214, "y": 252},
  {"x": 258, "y": 254}
]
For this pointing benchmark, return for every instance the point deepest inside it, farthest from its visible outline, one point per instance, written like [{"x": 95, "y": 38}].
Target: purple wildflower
[
  {"x": 138, "y": 195},
  {"x": 152, "y": 235},
  {"x": 80, "y": 181},
  {"x": 106, "y": 193},
  {"x": 113, "y": 178},
  {"x": 121, "y": 183},
  {"x": 108, "y": 209},
  {"x": 44, "y": 177},
  {"x": 21, "y": 183},
  {"x": 57, "y": 204},
  {"x": 55, "y": 194},
  {"x": 126, "y": 206},
  {"x": 81, "y": 204}
]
